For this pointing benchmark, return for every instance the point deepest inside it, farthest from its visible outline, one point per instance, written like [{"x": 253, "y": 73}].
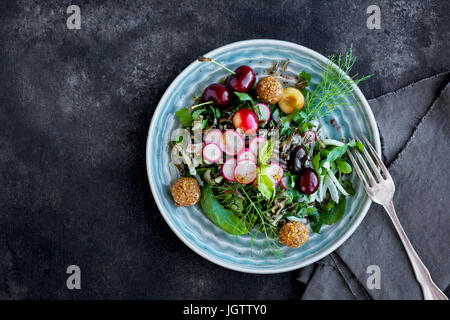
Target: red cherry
[
  {"x": 246, "y": 120},
  {"x": 217, "y": 93},
  {"x": 308, "y": 181},
  {"x": 243, "y": 79}
]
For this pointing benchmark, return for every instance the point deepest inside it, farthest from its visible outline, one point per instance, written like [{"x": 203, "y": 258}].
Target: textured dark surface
[{"x": 75, "y": 109}]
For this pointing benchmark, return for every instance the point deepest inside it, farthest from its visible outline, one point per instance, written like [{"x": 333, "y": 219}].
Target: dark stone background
[{"x": 75, "y": 110}]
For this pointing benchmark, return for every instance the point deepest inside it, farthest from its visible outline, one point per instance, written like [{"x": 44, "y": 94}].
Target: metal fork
[{"x": 381, "y": 190}]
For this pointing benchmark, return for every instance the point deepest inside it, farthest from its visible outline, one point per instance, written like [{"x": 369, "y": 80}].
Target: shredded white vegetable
[
  {"x": 332, "y": 142},
  {"x": 333, "y": 191},
  {"x": 322, "y": 189},
  {"x": 336, "y": 183}
]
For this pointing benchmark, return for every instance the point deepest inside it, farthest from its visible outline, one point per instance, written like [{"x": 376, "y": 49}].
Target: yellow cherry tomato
[{"x": 292, "y": 98}]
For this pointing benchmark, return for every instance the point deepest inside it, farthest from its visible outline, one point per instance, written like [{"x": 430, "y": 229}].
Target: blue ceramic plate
[{"x": 189, "y": 223}]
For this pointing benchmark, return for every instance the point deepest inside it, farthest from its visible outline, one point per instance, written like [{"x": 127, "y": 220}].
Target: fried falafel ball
[
  {"x": 293, "y": 234},
  {"x": 269, "y": 90},
  {"x": 186, "y": 192}
]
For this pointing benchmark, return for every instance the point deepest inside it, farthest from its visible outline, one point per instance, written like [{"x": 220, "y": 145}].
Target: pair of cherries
[{"x": 242, "y": 80}]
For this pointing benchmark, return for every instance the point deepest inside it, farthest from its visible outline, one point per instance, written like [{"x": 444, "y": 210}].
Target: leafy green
[
  {"x": 265, "y": 186},
  {"x": 243, "y": 96},
  {"x": 333, "y": 212},
  {"x": 265, "y": 151},
  {"x": 196, "y": 114},
  {"x": 224, "y": 218},
  {"x": 347, "y": 185},
  {"x": 356, "y": 144},
  {"x": 314, "y": 219},
  {"x": 330, "y": 213},
  {"x": 315, "y": 162},
  {"x": 336, "y": 153},
  {"x": 216, "y": 112},
  {"x": 185, "y": 117},
  {"x": 305, "y": 76},
  {"x": 343, "y": 166}
]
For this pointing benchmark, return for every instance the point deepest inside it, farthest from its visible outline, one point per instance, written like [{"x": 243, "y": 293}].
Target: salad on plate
[{"x": 254, "y": 156}]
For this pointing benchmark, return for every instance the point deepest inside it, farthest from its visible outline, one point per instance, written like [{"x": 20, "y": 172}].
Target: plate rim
[{"x": 333, "y": 246}]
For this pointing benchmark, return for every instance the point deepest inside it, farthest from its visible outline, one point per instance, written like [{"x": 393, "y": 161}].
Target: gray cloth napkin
[{"x": 414, "y": 124}]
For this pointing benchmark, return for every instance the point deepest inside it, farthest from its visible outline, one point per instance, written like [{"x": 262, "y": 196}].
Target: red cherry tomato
[{"x": 246, "y": 120}]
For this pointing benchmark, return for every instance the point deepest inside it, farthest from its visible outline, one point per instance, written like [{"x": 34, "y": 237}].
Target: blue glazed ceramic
[{"x": 189, "y": 223}]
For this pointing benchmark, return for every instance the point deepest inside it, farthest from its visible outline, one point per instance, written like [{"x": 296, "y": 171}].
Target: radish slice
[
  {"x": 285, "y": 182},
  {"x": 309, "y": 136},
  {"x": 212, "y": 152},
  {"x": 213, "y": 136},
  {"x": 231, "y": 142},
  {"x": 246, "y": 154},
  {"x": 262, "y": 111},
  {"x": 245, "y": 172},
  {"x": 256, "y": 143},
  {"x": 274, "y": 172},
  {"x": 228, "y": 169}
]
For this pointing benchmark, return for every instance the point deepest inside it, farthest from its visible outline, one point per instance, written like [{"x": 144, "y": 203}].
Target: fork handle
[{"x": 429, "y": 288}]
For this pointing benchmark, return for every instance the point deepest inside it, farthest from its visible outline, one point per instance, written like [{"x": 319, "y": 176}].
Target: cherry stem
[
  {"x": 200, "y": 104},
  {"x": 201, "y": 59}
]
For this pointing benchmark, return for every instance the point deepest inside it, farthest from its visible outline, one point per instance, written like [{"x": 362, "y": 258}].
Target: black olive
[{"x": 296, "y": 159}]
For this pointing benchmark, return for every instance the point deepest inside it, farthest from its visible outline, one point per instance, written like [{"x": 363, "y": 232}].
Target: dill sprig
[
  {"x": 332, "y": 91},
  {"x": 254, "y": 212},
  {"x": 269, "y": 230}
]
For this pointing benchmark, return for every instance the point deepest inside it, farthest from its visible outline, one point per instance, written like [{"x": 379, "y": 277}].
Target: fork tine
[
  {"x": 375, "y": 169},
  {"x": 365, "y": 167},
  {"x": 358, "y": 170},
  {"x": 377, "y": 158}
]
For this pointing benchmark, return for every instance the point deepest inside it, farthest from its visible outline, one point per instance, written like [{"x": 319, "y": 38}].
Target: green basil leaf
[{"x": 185, "y": 117}]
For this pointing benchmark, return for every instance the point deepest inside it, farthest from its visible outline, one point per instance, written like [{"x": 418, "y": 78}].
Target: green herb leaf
[
  {"x": 216, "y": 112},
  {"x": 196, "y": 114},
  {"x": 185, "y": 117},
  {"x": 289, "y": 117},
  {"x": 265, "y": 186},
  {"x": 353, "y": 143},
  {"x": 265, "y": 152},
  {"x": 333, "y": 212},
  {"x": 336, "y": 153},
  {"x": 315, "y": 162},
  {"x": 343, "y": 166},
  {"x": 347, "y": 185},
  {"x": 316, "y": 224},
  {"x": 243, "y": 96},
  {"x": 224, "y": 218},
  {"x": 305, "y": 76}
]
